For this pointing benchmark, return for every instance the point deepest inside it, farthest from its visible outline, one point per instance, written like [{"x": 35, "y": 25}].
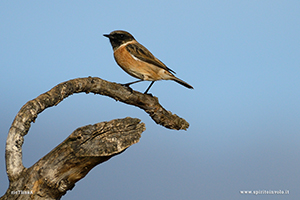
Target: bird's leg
[
  {"x": 149, "y": 87},
  {"x": 127, "y": 84}
]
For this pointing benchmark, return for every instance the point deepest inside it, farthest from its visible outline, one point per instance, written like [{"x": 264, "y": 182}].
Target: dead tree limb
[{"x": 85, "y": 148}]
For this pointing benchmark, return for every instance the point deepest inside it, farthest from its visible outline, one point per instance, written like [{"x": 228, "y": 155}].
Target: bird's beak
[{"x": 106, "y": 35}]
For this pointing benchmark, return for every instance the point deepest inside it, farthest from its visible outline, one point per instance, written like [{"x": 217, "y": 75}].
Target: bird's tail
[{"x": 185, "y": 84}]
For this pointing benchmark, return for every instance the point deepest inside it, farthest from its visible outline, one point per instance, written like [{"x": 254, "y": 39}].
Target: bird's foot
[
  {"x": 148, "y": 94},
  {"x": 127, "y": 86}
]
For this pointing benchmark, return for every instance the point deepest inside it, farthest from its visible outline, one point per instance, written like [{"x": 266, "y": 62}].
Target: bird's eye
[{"x": 121, "y": 35}]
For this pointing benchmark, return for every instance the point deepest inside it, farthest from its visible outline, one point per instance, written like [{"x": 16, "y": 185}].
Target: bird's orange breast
[{"x": 138, "y": 68}]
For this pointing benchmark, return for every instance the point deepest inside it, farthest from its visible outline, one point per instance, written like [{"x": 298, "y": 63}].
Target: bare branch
[
  {"x": 29, "y": 112},
  {"x": 86, "y": 147}
]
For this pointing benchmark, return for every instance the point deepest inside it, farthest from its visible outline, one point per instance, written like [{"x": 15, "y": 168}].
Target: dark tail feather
[{"x": 183, "y": 83}]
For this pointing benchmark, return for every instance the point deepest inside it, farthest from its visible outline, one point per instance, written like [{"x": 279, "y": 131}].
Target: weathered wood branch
[
  {"x": 92, "y": 156},
  {"x": 86, "y": 147}
]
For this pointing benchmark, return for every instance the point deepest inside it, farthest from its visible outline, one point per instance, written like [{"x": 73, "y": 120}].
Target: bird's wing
[{"x": 140, "y": 52}]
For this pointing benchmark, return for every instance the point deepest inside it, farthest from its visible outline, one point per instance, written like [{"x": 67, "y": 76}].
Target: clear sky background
[{"x": 242, "y": 57}]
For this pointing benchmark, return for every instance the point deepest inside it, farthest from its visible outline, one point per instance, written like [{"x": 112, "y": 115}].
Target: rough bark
[{"x": 85, "y": 148}]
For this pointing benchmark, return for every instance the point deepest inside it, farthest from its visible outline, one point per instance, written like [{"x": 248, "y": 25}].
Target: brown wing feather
[{"x": 140, "y": 52}]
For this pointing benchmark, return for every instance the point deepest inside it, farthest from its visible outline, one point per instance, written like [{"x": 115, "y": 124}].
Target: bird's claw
[{"x": 128, "y": 87}]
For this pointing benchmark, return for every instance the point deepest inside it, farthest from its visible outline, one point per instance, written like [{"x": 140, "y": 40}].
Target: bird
[{"x": 138, "y": 61}]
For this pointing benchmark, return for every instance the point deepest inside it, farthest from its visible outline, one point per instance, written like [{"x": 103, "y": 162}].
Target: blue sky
[{"x": 242, "y": 57}]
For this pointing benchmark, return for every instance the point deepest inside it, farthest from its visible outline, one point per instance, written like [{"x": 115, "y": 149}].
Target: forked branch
[{"x": 84, "y": 148}]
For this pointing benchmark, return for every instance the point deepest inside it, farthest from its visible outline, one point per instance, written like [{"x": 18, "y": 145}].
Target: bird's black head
[{"x": 117, "y": 38}]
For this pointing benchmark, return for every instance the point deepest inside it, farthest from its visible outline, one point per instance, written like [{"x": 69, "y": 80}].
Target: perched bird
[{"x": 138, "y": 61}]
